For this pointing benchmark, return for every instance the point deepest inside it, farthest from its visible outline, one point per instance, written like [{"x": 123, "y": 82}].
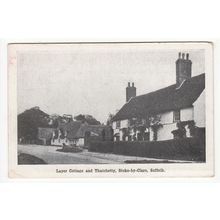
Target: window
[
  {"x": 118, "y": 124},
  {"x": 176, "y": 116}
]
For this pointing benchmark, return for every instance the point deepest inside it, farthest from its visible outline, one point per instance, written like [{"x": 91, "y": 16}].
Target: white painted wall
[
  {"x": 121, "y": 134},
  {"x": 114, "y": 125},
  {"x": 124, "y": 123},
  {"x": 151, "y": 134},
  {"x": 60, "y": 142},
  {"x": 187, "y": 131},
  {"x": 115, "y": 131},
  {"x": 196, "y": 113},
  {"x": 186, "y": 114},
  {"x": 164, "y": 133},
  {"x": 199, "y": 110},
  {"x": 80, "y": 142},
  {"x": 166, "y": 118}
]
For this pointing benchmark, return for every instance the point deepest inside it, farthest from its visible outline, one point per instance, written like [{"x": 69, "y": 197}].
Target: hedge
[
  {"x": 101, "y": 146},
  {"x": 191, "y": 149}
]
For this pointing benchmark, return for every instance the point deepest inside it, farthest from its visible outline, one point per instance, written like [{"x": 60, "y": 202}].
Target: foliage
[
  {"x": 125, "y": 133},
  {"x": 141, "y": 127},
  {"x": 30, "y": 120},
  {"x": 180, "y": 132},
  {"x": 109, "y": 120},
  {"x": 192, "y": 128},
  {"x": 88, "y": 119},
  {"x": 155, "y": 125},
  {"x": 28, "y": 123},
  {"x": 55, "y": 119}
]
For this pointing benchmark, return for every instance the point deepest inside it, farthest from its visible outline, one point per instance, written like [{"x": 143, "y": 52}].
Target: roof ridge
[
  {"x": 153, "y": 91},
  {"x": 164, "y": 99},
  {"x": 186, "y": 80}
]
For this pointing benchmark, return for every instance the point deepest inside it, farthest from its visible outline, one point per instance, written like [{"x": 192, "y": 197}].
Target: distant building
[
  {"x": 80, "y": 134},
  {"x": 172, "y": 112},
  {"x": 65, "y": 133}
]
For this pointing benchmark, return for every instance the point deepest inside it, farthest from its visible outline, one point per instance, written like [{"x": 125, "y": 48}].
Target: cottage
[
  {"x": 65, "y": 134},
  {"x": 172, "y": 112},
  {"x": 80, "y": 134}
]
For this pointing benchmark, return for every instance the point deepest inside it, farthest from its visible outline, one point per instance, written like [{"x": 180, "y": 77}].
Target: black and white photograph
[
  {"x": 125, "y": 104},
  {"x": 109, "y": 110}
]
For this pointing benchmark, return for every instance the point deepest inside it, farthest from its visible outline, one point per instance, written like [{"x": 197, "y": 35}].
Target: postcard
[{"x": 117, "y": 109}]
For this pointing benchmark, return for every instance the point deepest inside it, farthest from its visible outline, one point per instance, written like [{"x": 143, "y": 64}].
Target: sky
[{"x": 91, "y": 79}]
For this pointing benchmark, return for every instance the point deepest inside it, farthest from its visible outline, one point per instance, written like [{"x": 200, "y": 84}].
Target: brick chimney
[
  {"x": 130, "y": 91},
  {"x": 183, "y": 68}
]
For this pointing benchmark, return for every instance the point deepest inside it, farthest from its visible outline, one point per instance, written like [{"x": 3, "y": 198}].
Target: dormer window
[{"x": 176, "y": 115}]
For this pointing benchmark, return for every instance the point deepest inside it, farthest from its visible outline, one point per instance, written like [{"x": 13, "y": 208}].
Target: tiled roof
[{"x": 162, "y": 100}]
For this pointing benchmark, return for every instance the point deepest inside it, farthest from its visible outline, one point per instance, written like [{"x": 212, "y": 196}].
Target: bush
[
  {"x": 70, "y": 149},
  {"x": 192, "y": 149}
]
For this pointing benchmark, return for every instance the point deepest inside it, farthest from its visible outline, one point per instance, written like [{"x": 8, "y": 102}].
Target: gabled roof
[{"x": 162, "y": 100}]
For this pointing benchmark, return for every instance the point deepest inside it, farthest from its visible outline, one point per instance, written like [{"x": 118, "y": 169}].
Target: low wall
[{"x": 191, "y": 149}]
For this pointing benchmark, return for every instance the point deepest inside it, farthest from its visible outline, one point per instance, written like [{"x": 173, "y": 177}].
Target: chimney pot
[
  {"x": 130, "y": 91},
  {"x": 183, "y": 56},
  {"x": 183, "y": 69}
]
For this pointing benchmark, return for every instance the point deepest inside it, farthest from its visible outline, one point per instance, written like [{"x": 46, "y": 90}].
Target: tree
[
  {"x": 180, "y": 132},
  {"x": 87, "y": 118},
  {"x": 109, "y": 120},
  {"x": 28, "y": 123},
  {"x": 154, "y": 122}
]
